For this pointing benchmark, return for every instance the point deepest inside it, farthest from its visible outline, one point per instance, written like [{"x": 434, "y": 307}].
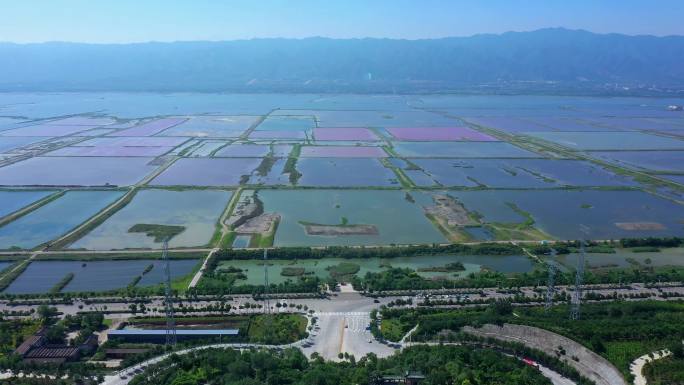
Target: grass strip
[
  {"x": 13, "y": 272},
  {"x": 94, "y": 221},
  {"x": 28, "y": 209},
  {"x": 62, "y": 283}
]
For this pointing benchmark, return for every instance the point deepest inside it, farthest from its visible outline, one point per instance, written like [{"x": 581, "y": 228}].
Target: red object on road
[{"x": 530, "y": 362}]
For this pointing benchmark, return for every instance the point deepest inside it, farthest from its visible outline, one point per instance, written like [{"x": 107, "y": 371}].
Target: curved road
[
  {"x": 341, "y": 326},
  {"x": 124, "y": 376}
]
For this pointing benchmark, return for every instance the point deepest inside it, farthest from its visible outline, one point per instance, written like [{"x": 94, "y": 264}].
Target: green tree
[{"x": 46, "y": 314}]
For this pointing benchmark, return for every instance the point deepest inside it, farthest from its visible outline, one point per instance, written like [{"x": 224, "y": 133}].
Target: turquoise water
[
  {"x": 206, "y": 148},
  {"x": 241, "y": 241},
  {"x": 136, "y": 105},
  {"x": 479, "y": 233},
  {"x": 331, "y": 172},
  {"x": 41, "y": 276},
  {"x": 672, "y": 161},
  {"x": 11, "y": 201},
  {"x": 55, "y": 218},
  {"x": 397, "y": 219},
  {"x": 561, "y": 212},
  {"x": 518, "y": 173},
  {"x": 384, "y": 116},
  {"x": 212, "y": 126},
  {"x": 461, "y": 150},
  {"x": 9, "y": 143},
  {"x": 610, "y": 140},
  {"x": 197, "y": 210},
  {"x": 626, "y": 259},
  {"x": 254, "y": 269},
  {"x": 277, "y": 123}
]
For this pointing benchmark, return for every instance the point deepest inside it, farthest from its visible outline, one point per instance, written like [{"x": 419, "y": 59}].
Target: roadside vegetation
[
  {"x": 14, "y": 331},
  {"x": 619, "y": 331},
  {"x": 668, "y": 370},
  {"x": 409, "y": 279},
  {"x": 270, "y": 329},
  {"x": 218, "y": 281},
  {"x": 440, "y": 365},
  {"x": 371, "y": 252},
  {"x": 277, "y": 329}
]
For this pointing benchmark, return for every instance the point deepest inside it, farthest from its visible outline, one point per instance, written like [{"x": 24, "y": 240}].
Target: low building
[
  {"x": 409, "y": 378},
  {"x": 33, "y": 342},
  {"x": 159, "y": 335},
  {"x": 122, "y": 353},
  {"x": 57, "y": 354},
  {"x": 89, "y": 345},
  {"x": 413, "y": 378},
  {"x": 36, "y": 349}
]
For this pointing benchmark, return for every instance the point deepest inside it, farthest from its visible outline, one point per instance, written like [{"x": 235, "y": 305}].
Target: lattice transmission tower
[
  {"x": 575, "y": 312},
  {"x": 267, "y": 303},
  {"x": 168, "y": 297},
  {"x": 550, "y": 281}
]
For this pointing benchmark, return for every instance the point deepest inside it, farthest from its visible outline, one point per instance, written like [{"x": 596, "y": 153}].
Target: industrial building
[
  {"x": 36, "y": 349},
  {"x": 159, "y": 335}
]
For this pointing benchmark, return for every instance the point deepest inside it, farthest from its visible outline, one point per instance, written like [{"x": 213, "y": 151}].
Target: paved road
[
  {"x": 347, "y": 302},
  {"x": 199, "y": 273},
  {"x": 342, "y": 320},
  {"x": 341, "y": 327},
  {"x": 344, "y": 332},
  {"x": 555, "y": 377}
]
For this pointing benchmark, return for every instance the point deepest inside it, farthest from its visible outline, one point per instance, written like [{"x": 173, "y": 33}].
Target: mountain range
[{"x": 546, "y": 60}]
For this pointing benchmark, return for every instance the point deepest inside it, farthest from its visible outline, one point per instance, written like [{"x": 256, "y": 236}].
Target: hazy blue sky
[{"x": 121, "y": 21}]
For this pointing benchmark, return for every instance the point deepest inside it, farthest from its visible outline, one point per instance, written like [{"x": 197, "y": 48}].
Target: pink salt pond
[
  {"x": 344, "y": 133},
  {"x": 439, "y": 133},
  {"x": 342, "y": 152}
]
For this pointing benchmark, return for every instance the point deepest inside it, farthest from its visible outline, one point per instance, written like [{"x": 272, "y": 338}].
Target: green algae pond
[
  {"x": 626, "y": 258},
  {"x": 253, "y": 270}
]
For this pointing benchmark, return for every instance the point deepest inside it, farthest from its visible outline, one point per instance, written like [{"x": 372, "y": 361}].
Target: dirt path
[{"x": 637, "y": 366}]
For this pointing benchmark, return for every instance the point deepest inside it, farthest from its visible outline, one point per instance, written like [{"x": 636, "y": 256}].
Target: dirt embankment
[
  {"x": 450, "y": 211},
  {"x": 640, "y": 226},
  {"x": 337, "y": 230}
]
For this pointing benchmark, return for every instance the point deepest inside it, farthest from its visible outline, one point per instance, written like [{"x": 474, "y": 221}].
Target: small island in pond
[
  {"x": 158, "y": 232},
  {"x": 344, "y": 228},
  {"x": 448, "y": 268}
]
